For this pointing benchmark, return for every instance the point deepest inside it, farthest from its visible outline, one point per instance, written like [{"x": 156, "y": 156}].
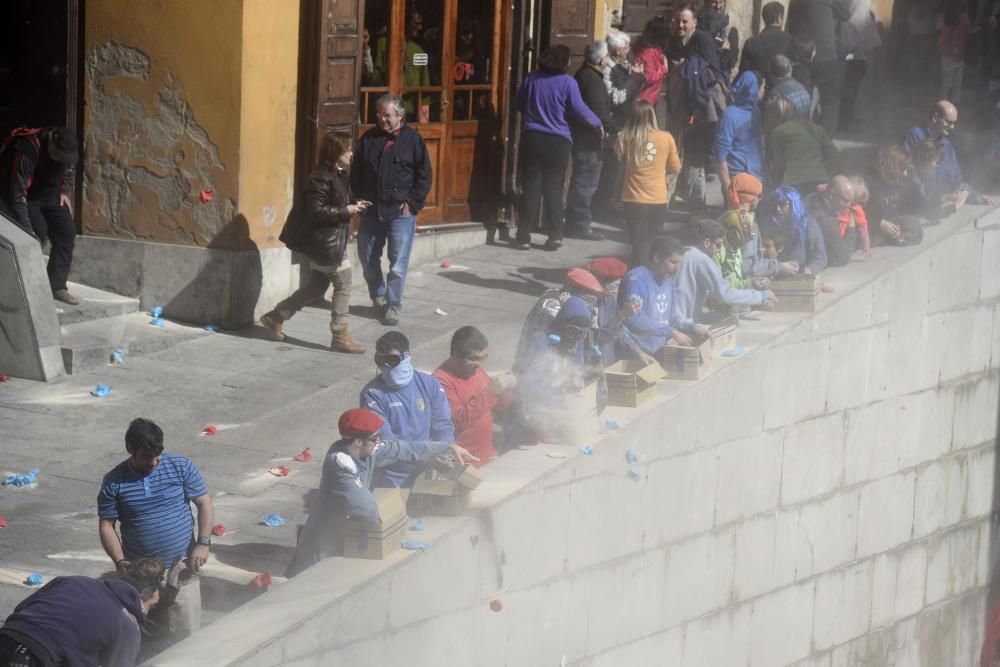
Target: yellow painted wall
[
  {"x": 185, "y": 97},
  {"x": 268, "y": 110}
]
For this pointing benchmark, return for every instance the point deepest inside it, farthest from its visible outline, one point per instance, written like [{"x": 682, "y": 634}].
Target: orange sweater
[{"x": 646, "y": 182}]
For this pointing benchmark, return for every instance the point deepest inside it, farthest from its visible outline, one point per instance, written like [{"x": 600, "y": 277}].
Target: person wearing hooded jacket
[
  {"x": 345, "y": 487},
  {"x": 739, "y": 134},
  {"x": 412, "y": 403},
  {"x": 782, "y": 214},
  {"x": 81, "y": 621}
]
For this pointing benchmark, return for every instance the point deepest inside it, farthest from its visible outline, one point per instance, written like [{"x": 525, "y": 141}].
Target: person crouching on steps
[{"x": 319, "y": 227}]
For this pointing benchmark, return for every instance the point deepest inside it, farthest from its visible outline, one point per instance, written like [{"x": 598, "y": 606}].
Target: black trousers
[
  {"x": 828, "y": 77},
  {"x": 543, "y": 173},
  {"x": 643, "y": 222},
  {"x": 854, "y": 74},
  {"x": 53, "y": 222}
]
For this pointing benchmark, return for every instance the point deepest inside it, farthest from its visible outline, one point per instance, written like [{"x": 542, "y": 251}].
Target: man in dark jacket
[
  {"x": 714, "y": 19},
  {"x": 318, "y": 227},
  {"x": 36, "y": 173},
  {"x": 83, "y": 621},
  {"x": 818, "y": 20},
  {"x": 393, "y": 170},
  {"x": 586, "y": 151},
  {"x": 772, "y": 40},
  {"x": 839, "y": 238}
]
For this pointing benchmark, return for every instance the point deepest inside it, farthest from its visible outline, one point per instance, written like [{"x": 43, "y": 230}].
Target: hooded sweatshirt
[
  {"x": 658, "y": 316},
  {"x": 80, "y": 622},
  {"x": 416, "y": 412},
  {"x": 738, "y": 138},
  {"x": 700, "y": 277}
]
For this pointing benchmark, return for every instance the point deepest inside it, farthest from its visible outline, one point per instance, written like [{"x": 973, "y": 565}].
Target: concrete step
[
  {"x": 89, "y": 345},
  {"x": 95, "y": 304}
]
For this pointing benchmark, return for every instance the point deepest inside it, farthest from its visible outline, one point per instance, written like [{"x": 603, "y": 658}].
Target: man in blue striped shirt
[{"x": 150, "y": 495}]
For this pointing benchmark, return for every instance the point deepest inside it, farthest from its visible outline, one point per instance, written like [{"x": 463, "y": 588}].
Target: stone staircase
[{"x": 104, "y": 322}]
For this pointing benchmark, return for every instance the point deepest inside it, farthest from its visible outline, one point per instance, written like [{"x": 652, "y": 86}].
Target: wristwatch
[{"x": 205, "y": 541}]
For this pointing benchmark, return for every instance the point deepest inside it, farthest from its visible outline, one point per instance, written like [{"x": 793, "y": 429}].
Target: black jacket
[
  {"x": 758, "y": 51},
  {"x": 624, "y": 85},
  {"x": 28, "y": 173},
  {"x": 389, "y": 176},
  {"x": 595, "y": 96},
  {"x": 817, "y": 20},
  {"x": 319, "y": 224}
]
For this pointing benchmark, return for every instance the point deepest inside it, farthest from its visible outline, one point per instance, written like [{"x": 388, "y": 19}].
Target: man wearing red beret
[
  {"x": 611, "y": 335},
  {"x": 344, "y": 489}
]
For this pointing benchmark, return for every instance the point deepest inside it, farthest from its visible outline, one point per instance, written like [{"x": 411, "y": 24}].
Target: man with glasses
[
  {"x": 946, "y": 179},
  {"x": 413, "y": 405},
  {"x": 827, "y": 206},
  {"x": 472, "y": 394},
  {"x": 700, "y": 277},
  {"x": 345, "y": 487}
]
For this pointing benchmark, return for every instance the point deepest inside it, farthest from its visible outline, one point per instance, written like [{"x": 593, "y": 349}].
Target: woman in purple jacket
[{"x": 547, "y": 100}]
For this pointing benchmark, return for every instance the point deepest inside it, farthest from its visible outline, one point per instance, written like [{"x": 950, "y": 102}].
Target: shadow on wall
[
  {"x": 992, "y": 635},
  {"x": 228, "y": 282}
]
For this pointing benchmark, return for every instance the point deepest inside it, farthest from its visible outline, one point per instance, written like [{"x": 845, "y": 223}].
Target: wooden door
[
  {"x": 571, "y": 22},
  {"x": 635, "y": 13},
  {"x": 330, "y": 63}
]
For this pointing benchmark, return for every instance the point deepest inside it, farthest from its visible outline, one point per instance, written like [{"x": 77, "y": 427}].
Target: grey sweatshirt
[{"x": 699, "y": 277}]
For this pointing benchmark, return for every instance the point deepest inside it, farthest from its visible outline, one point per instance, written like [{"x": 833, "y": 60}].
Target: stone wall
[{"x": 824, "y": 500}]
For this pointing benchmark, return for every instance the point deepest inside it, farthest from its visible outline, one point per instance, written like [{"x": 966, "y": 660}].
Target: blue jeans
[
  {"x": 583, "y": 185},
  {"x": 372, "y": 235}
]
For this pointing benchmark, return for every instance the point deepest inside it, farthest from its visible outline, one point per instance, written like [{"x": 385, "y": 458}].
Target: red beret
[
  {"x": 608, "y": 268},
  {"x": 359, "y": 422},
  {"x": 584, "y": 280}
]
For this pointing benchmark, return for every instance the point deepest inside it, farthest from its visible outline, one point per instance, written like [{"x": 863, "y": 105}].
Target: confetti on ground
[
  {"x": 735, "y": 352},
  {"x": 305, "y": 456},
  {"x": 206, "y": 196},
  {"x": 156, "y": 311},
  {"x": 414, "y": 545},
  {"x": 218, "y": 530},
  {"x": 280, "y": 471},
  {"x": 587, "y": 451},
  {"x": 158, "y": 322},
  {"x": 211, "y": 429},
  {"x": 211, "y": 327},
  {"x": 3, "y": 522},
  {"x": 496, "y": 605},
  {"x": 22, "y": 479},
  {"x": 438, "y": 311},
  {"x": 118, "y": 357},
  {"x": 612, "y": 425},
  {"x": 631, "y": 456},
  {"x": 633, "y": 475},
  {"x": 34, "y": 579},
  {"x": 100, "y": 391},
  {"x": 274, "y": 520}
]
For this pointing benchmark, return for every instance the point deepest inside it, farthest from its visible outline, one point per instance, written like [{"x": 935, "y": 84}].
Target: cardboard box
[
  {"x": 798, "y": 293},
  {"x": 723, "y": 334},
  {"x": 444, "y": 492},
  {"x": 686, "y": 363},
  {"x": 631, "y": 382},
  {"x": 383, "y": 540}
]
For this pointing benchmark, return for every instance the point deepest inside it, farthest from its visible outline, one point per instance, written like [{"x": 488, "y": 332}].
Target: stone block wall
[{"x": 823, "y": 501}]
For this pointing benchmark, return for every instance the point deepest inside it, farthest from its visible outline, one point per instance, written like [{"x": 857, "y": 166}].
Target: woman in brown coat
[{"x": 319, "y": 227}]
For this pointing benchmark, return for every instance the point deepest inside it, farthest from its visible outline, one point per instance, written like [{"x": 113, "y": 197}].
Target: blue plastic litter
[
  {"x": 612, "y": 425},
  {"x": 274, "y": 520},
  {"x": 156, "y": 311},
  {"x": 414, "y": 545},
  {"x": 118, "y": 357},
  {"x": 596, "y": 351},
  {"x": 735, "y": 352},
  {"x": 554, "y": 339},
  {"x": 34, "y": 579},
  {"x": 631, "y": 456},
  {"x": 100, "y": 391},
  {"x": 416, "y": 524},
  {"x": 158, "y": 322},
  {"x": 22, "y": 479},
  {"x": 633, "y": 475},
  {"x": 587, "y": 451},
  {"x": 211, "y": 327}
]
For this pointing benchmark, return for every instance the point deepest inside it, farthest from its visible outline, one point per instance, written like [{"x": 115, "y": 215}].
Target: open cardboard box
[
  {"x": 444, "y": 492},
  {"x": 686, "y": 363},
  {"x": 380, "y": 541},
  {"x": 631, "y": 382},
  {"x": 723, "y": 333},
  {"x": 798, "y": 293}
]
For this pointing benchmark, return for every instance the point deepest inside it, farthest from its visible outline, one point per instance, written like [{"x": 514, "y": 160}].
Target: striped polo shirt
[{"x": 154, "y": 510}]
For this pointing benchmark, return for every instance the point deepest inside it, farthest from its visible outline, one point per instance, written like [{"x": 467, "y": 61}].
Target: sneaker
[
  {"x": 391, "y": 316},
  {"x": 380, "y": 304},
  {"x": 65, "y": 296},
  {"x": 552, "y": 245}
]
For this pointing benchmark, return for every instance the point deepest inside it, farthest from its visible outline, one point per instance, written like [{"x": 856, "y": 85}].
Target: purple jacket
[{"x": 547, "y": 101}]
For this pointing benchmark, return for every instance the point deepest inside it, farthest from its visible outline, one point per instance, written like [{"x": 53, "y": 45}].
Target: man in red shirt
[{"x": 472, "y": 394}]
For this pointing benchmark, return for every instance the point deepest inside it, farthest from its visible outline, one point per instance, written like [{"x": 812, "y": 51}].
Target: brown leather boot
[
  {"x": 272, "y": 321},
  {"x": 341, "y": 342}
]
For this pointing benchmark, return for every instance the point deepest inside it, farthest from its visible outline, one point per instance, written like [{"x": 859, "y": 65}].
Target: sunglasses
[{"x": 390, "y": 360}]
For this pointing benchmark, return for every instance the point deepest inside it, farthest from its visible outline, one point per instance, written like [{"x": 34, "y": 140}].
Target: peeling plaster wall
[{"x": 162, "y": 119}]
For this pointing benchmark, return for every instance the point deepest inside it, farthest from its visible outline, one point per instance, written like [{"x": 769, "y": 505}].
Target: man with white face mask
[{"x": 413, "y": 404}]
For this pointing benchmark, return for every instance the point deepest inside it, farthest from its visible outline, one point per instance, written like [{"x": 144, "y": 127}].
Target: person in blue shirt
[
  {"x": 150, "y": 495},
  {"x": 739, "y": 136},
  {"x": 651, "y": 288},
  {"x": 345, "y": 487},
  {"x": 946, "y": 179},
  {"x": 413, "y": 405}
]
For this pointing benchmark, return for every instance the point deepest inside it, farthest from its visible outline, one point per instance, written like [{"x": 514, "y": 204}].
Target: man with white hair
[{"x": 587, "y": 157}]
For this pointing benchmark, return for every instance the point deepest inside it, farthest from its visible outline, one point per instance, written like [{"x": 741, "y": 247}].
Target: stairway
[{"x": 104, "y": 322}]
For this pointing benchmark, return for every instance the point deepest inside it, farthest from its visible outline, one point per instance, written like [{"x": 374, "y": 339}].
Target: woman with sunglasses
[{"x": 345, "y": 487}]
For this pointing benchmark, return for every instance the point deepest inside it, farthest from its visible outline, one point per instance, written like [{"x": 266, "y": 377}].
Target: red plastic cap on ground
[
  {"x": 305, "y": 456},
  {"x": 3, "y": 522},
  {"x": 446, "y": 264},
  {"x": 583, "y": 279},
  {"x": 210, "y": 430},
  {"x": 218, "y": 530}
]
